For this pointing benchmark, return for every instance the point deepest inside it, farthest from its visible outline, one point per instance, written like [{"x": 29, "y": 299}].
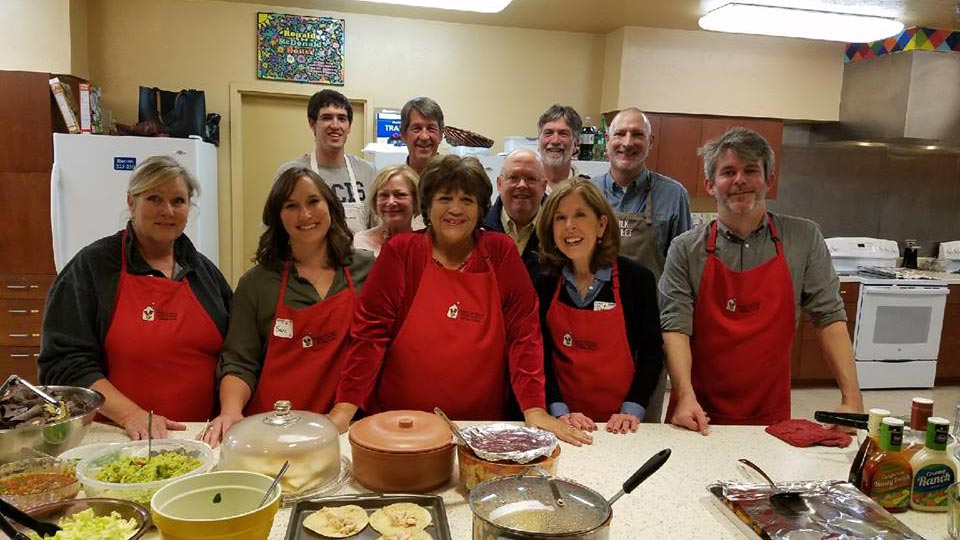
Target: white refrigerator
[{"x": 88, "y": 189}]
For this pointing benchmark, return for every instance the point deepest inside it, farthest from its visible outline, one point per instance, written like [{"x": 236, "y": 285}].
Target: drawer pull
[
  {"x": 22, "y": 287},
  {"x": 22, "y": 336},
  {"x": 23, "y": 311},
  {"x": 24, "y": 355}
]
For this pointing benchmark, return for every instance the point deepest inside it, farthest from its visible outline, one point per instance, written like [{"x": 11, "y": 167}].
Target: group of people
[{"x": 413, "y": 288}]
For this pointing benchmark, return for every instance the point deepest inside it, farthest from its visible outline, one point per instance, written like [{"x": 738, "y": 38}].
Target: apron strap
[
  {"x": 712, "y": 240},
  {"x": 283, "y": 282},
  {"x": 315, "y": 167},
  {"x": 648, "y": 200},
  {"x": 123, "y": 253}
]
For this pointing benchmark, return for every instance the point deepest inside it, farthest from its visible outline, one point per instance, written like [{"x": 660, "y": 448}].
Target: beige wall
[
  {"x": 612, "y": 61},
  {"x": 728, "y": 74},
  {"x": 35, "y": 35}
]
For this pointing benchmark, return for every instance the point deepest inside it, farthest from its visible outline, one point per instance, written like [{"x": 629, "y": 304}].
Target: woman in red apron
[
  {"x": 291, "y": 312},
  {"x": 599, "y": 314},
  {"x": 140, "y": 316},
  {"x": 448, "y": 318}
]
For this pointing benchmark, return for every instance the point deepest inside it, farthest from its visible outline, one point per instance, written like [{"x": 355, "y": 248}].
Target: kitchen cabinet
[
  {"x": 28, "y": 118},
  {"x": 809, "y": 368},
  {"x": 677, "y": 137},
  {"x": 948, "y": 361}
]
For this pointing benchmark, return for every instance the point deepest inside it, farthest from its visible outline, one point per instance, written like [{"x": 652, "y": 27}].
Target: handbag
[{"x": 181, "y": 114}]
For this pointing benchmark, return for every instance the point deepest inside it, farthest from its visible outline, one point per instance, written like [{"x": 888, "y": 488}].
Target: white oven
[{"x": 897, "y": 335}]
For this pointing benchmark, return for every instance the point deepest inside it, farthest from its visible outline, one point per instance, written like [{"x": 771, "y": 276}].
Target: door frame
[{"x": 238, "y": 90}]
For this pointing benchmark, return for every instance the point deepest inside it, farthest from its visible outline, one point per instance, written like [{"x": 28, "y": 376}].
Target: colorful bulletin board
[{"x": 300, "y": 48}]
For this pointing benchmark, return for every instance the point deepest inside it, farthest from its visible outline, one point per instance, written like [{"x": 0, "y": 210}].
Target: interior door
[{"x": 275, "y": 131}]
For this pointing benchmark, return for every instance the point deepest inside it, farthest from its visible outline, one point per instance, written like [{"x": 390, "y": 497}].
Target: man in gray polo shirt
[
  {"x": 330, "y": 117},
  {"x": 731, "y": 294},
  {"x": 651, "y": 208}
]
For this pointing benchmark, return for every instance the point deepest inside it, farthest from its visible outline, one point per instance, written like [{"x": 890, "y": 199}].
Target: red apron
[
  {"x": 591, "y": 355},
  {"x": 743, "y": 325},
  {"x": 305, "y": 352},
  {"x": 162, "y": 347},
  {"x": 450, "y": 351}
]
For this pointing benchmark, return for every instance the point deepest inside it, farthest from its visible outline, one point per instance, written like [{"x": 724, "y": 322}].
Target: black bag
[{"x": 180, "y": 113}]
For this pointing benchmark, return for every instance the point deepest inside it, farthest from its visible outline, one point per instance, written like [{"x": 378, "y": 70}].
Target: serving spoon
[{"x": 789, "y": 502}]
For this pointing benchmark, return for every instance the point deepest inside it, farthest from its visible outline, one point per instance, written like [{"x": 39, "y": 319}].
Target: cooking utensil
[
  {"x": 522, "y": 507},
  {"x": 453, "y": 427},
  {"x": 855, "y": 420},
  {"x": 53, "y": 437},
  {"x": 149, "y": 435},
  {"x": 554, "y": 488},
  {"x": 790, "y": 502},
  {"x": 56, "y": 409},
  {"x": 273, "y": 486},
  {"x": 42, "y": 528}
]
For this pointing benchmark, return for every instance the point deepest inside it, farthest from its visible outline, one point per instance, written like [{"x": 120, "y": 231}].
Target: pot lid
[
  {"x": 281, "y": 432},
  {"x": 402, "y": 432},
  {"x": 527, "y": 504}
]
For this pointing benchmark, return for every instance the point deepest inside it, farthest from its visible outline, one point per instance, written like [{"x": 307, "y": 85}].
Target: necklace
[{"x": 459, "y": 268}]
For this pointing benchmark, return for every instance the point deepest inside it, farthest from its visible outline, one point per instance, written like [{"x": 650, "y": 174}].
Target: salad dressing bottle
[
  {"x": 920, "y": 410},
  {"x": 870, "y": 445},
  {"x": 887, "y": 476},
  {"x": 934, "y": 471}
]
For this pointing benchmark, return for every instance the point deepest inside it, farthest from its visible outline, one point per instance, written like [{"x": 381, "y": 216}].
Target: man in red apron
[
  {"x": 730, "y": 293},
  {"x": 651, "y": 209}
]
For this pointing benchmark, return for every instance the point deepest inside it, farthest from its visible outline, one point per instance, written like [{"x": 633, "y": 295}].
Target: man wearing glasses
[{"x": 520, "y": 186}]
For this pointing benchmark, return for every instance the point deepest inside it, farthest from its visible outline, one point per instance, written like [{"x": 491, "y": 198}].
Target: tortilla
[
  {"x": 400, "y": 517},
  {"x": 337, "y": 521},
  {"x": 412, "y": 534}
]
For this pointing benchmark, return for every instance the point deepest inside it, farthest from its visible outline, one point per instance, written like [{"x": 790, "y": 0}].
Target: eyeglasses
[{"x": 529, "y": 180}]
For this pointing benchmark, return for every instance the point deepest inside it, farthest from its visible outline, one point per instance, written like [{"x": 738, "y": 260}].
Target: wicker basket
[{"x": 461, "y": 137}]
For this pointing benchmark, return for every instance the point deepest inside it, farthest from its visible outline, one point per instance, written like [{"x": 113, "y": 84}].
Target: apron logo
[
  {"x": 283, "y": 328},
  {"x": 567, "y": 340},
  {"x": 148, "y": 313},
  {"x": 307, "y": 342},
  {"x": 731, "y": 305},
  {"x": 453, "y": 311}
]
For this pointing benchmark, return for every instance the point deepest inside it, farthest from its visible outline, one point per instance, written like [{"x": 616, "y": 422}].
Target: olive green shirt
[
  {"x": 254, "y": 305},
  {"x": 816, "y": 287}
]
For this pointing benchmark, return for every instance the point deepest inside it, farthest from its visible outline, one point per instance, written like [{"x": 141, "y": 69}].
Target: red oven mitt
[{"x": 804, "y": 433}]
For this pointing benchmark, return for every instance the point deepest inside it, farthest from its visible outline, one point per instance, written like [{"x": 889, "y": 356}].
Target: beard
[{"x": 552, "y": 160}]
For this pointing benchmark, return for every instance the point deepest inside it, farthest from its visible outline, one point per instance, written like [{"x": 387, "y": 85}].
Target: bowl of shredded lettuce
[
  {"x": 126, "y": 471},
  {"x": 96, "y": 518}
]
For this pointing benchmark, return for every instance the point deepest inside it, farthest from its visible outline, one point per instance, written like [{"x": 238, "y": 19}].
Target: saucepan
[{"x": 526, "y": 507}]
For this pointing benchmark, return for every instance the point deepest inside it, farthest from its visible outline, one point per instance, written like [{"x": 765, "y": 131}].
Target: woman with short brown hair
[{"x": 598, "y": 313}]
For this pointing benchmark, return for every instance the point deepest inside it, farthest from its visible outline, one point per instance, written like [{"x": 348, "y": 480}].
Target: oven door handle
[{"x": 906, "y": 291}]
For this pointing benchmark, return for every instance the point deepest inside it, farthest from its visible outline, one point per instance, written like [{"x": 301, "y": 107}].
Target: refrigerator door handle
[{"x": 55, "y": 217}]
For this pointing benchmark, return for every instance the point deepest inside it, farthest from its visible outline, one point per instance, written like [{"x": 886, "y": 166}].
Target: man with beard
[
  {"x": 651, "y": 208},
  {"x": 421, "y": 128},
  {"x": 330, "y": 117},
  {"x": 521, "y": 186},
  {"x": 731, "y": 294},
  {"x": 559, "y": 128}
]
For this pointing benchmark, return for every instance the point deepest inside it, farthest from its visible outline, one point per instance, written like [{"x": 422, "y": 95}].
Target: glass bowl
[
  {"x": 139, "y": 492},
  {"x": 54, "y": 512},
  {"x": 33, "y": 482}
]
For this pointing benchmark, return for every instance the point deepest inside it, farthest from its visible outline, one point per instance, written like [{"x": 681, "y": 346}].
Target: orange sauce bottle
[
  {"x": 887, "y": 476},
  {"x": 869, "y": 447}
]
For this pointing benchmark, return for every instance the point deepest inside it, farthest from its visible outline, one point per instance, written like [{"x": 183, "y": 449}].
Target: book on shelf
[{"x": 68, "y": 108}]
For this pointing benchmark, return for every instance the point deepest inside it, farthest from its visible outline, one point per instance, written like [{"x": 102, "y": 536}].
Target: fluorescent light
[
  {"x": 801, "y": 23},
  {"x": 481, "y": 6}
]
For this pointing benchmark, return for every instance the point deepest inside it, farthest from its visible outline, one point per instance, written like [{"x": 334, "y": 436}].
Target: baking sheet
[
  {"x": 836, "y": 511},
  {"x": 439, "y": 529}
]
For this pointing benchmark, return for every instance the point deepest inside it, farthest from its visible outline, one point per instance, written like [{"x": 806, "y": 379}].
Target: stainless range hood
[{"x": 906, "y": 98}]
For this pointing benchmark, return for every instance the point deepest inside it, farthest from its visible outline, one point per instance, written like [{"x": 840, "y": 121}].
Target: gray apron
[{"x": 638, "y": 242}]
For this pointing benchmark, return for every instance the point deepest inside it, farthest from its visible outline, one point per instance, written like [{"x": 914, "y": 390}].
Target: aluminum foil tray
[
  {"x": 509, "y": 442},
  {"x": 439, "y": 529},
  {"x": 837, "y": 511}
]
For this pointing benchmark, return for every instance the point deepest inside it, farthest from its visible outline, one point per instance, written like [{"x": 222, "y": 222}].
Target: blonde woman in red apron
[
  {"x": 291, "y": 312},
  {"x": 140, "y": 316},
  {"x": 602, "y": 348},
  {"x": 448, "y": 318}
]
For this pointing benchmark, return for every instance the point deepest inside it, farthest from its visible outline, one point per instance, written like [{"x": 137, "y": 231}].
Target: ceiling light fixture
[
  {"x": 801, "y": 23},
  {"x": 481, "y": 6}
]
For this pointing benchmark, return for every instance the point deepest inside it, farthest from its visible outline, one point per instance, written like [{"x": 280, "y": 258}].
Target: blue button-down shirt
[{"x": 671, "y": 203}]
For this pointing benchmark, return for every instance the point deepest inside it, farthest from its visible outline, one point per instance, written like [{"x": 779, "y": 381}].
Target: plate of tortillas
[{"x": 370, "y": 517}]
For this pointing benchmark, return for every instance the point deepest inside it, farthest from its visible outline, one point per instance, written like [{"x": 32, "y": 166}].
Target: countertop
[
  {"x": 951, "y": 279},
  {"x": 673, "y": 503}
]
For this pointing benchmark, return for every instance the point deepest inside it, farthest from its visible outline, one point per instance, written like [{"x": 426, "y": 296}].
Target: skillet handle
[
  {"x": 855, "y": 420},
  {"x": 651, "y": 466}
]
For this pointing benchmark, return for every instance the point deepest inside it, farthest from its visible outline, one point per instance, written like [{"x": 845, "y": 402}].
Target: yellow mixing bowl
[{"x": 215, "y": 506}]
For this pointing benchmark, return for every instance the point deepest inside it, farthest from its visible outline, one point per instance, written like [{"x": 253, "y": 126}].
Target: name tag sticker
[
  {"x": 283, "y": 328},
  {"x": 124, "y": 163},
  {"x": 603, "y": 306}
]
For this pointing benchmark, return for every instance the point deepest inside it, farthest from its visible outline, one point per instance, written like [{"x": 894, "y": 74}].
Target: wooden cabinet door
[
  {"x": 810, "y": 366},
  {"x": 26, "y": 246},
  {"x": 771, "y": 130},
  {"x": 948, "y": 361},
  {"x": 20, "y": 361},
  {"x": 677, "y": 153},
  {"x": 26, "y": 140},
  {"x": 653, "y": 157}
]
